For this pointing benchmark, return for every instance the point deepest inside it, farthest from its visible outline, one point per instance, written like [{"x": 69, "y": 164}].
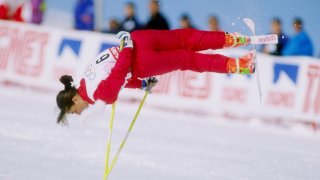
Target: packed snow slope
[{"x": 162, "y": 145}]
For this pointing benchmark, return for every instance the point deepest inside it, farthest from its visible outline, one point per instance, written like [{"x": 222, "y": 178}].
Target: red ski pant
[{"x": 158, "y": 52}]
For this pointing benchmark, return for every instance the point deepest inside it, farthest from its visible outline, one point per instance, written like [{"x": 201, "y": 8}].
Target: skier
[{"x": 145, "y": 54}]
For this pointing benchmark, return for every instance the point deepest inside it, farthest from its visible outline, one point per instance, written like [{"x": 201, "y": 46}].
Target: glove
[
  {"x": 149, "y": 83},
  {"x": 125, "y": 39}
]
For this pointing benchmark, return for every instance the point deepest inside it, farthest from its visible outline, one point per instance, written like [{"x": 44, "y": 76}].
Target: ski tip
[{"x": 247, "y": 20}]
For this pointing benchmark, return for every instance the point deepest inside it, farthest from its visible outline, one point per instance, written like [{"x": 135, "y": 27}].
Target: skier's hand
[
  {"x": 149, "y": 83},
  {"x": 123, "y": 34},
  {"x": 125, "y": 39}
]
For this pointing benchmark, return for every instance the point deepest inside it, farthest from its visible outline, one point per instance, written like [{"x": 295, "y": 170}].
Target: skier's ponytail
[
  {"x": 64, "y": 98},
  {"x": 67, "y": 81}
]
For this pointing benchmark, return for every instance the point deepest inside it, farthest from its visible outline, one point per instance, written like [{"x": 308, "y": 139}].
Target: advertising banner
[{"x": 36, "y": 56}]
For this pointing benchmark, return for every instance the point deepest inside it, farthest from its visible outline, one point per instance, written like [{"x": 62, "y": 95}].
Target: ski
[{"x": 251, "y": 26}]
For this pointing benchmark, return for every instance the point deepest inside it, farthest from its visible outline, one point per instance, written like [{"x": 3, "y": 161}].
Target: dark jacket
[
  {"x": 276, "y": 49},
  {"x": 130, "y": 24},
  {"x": 282, "y": 41},
  {"x": 157, "y": 21}
]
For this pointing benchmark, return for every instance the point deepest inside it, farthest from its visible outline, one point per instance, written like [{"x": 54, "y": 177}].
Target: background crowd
[
  {"x": 31, "y": 11},
  {"x": 84, "y": 19}
]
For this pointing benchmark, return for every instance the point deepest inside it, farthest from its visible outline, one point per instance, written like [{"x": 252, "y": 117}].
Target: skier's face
[{"x": 78, "y": 106}]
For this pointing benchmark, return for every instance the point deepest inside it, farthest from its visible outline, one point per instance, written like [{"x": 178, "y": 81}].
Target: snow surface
[{"x": 162, "y": 145}]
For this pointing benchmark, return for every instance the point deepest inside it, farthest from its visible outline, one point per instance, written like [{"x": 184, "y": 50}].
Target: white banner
[{"x": 36, "y": 56}]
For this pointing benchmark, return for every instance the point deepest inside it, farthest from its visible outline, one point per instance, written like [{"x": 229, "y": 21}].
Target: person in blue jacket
[
  {"x": 300, "y": 44},
  {"x": 84, "y": 15}
]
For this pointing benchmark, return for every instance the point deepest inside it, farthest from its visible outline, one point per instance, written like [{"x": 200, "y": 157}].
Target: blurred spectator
[
  {"x": 84, "y": 15},
  {"x": 276, "y": 49},
  {"x": 300, "y": 43},
  {"x": 38, "y": 9},
  {"x": 213, "y": 23},
  {"x": 21, "y": 11},
  {"x": 114, "y": 26},
  {"x": 4, "y": 9},
  {"x": 185, "y": 22},
  {"x": 156, "y": 20},
  {"x": 130, "y": 22}
]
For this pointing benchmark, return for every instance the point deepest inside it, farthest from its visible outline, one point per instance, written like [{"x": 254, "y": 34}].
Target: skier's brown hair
[{"x": 64, "y": 98}]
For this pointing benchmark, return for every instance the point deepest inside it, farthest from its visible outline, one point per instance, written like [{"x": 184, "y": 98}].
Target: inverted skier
[{"x": 149, "y": 53}]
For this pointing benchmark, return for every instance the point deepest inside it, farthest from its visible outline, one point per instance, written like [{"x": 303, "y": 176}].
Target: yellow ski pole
[
  {"x": 111, "y": 128},
  {"x": 109, "y": 140},
  {"x": 114, "y": 160}
]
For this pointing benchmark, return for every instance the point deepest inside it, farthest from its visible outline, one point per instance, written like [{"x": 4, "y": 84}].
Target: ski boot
[
  {"x": 236, "y": 39},
  {"x": 243, "y": 65}
]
